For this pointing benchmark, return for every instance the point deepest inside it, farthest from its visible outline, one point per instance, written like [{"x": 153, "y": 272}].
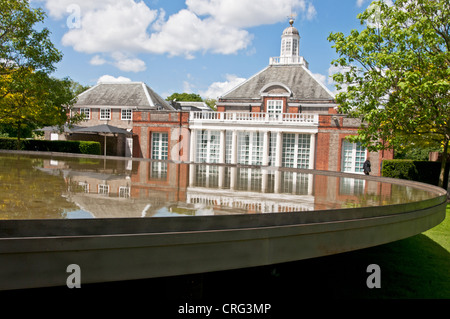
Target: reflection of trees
[{"x": 27, "y": 192}]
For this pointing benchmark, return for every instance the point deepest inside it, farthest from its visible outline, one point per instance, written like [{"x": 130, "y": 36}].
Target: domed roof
[{"x": 290, "y": 30}]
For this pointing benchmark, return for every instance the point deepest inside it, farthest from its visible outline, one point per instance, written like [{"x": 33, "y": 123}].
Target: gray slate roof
[
  {"x": 296, "y": 77},
  {"x": 132, "y": 94}
]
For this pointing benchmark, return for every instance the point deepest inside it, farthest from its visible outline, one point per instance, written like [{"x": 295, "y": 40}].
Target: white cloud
[
  {"x": 249, "y": 13},
  {"x": 98, "y": 60},
  {"x": 359, "y": 3},
  {"x": 217, "y": 89},
  {"x": 116, "y": 31},
  {"x": 126, "y": 63},
  {"x": 112, "y": 79}
]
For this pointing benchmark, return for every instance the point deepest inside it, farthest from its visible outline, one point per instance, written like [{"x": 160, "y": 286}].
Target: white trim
[
  {"x": 265, "y": 87},
  {"x": 150, "y": 101}
]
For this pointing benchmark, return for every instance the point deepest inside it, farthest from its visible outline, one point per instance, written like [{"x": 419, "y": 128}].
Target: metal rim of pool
[{"x": 36, "y": 253}]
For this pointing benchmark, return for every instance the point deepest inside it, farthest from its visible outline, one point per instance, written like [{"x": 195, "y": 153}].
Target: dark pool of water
[{"x": 44, "y": 187}]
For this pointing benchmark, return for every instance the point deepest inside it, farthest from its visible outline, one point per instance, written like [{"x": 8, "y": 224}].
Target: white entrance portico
[{"x": 251, "y": 138}]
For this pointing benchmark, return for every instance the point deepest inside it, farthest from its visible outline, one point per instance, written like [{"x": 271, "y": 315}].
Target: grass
[{"x": 414, "y": 268}]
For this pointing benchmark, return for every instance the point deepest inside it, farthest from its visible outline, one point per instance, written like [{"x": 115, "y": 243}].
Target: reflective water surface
[{"x": 39, "y": 187}]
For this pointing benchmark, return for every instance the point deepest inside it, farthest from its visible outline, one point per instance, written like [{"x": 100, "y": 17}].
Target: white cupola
[
  {"x": 290, "y": 40},
  {"x": 290, "y": 48}
]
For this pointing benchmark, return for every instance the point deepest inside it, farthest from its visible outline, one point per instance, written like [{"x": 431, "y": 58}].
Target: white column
[
  {"x": 279, "y": 150},
  {"x": 312, "y": 152},
  {"x": 193, "y": 148},
  {"x": 265, "y": 159}
]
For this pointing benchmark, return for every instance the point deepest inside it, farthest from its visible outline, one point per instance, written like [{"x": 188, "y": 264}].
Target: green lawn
[{"x": 416, "y": 267}]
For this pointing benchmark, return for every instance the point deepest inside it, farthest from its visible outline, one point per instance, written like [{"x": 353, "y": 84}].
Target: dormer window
[{"x": 274, "y": 106}]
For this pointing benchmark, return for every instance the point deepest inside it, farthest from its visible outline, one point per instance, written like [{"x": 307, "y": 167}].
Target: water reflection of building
[
  {"x": 253, "y": 190},
  {"x": 124, "y": 188}
]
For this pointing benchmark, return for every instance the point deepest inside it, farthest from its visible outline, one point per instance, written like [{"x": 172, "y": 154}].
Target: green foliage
[
  {"x": 188, "y": 97},
  {"x": 417, "y": 154},
  {"x": 77, "y": 147},
  {"x": 419, "y": 171},
  {"x": 396, "y": 74},
  {"x": 23, "y": 42},
  {"x": 93, "y": 148},
  {"x": 8, "y": 143}
]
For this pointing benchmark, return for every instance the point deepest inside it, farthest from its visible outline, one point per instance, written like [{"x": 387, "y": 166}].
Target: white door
[{"x": 129, "y": 147}]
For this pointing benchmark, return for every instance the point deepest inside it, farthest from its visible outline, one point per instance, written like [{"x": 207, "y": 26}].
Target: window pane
[{"x": 160, "y": 146}]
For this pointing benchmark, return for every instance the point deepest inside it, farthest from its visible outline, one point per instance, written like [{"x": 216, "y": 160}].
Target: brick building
[{"x": 282, "y": 116}]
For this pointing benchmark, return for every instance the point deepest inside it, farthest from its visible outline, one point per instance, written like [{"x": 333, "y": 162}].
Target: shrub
[
  {"x": 90, "y": 148},
  {"x": 8, "y": 143},
  {"x": 419, "y": 171},
  {"x": 77, "y": 147}
]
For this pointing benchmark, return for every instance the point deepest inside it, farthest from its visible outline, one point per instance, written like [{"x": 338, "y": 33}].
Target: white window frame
[
  {"x": 160, "y": 146},
  {"x": 352, "y": 151},
  {"x": 126, "y": 114},
  {"x": 105, "y": 114},
  {"x": 103, "y": 189},
  {"x": 275, "y": 106},
  {"x": 124, "y": 192},
  {"x": 299, "y": 158},
  {"x": 208, "y": 146},
  {"x": 250, "y": 148},
  {"x": 87, "y": 113}
]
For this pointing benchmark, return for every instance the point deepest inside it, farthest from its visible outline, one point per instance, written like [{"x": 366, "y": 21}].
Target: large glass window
[
  {"x": 353, "y": 157},
  {"x": 208, "y": 146},
  {"x": 296, "y": 150},
  {"x": 160, "y": 146},
  {"x": 250, "y": 148}
]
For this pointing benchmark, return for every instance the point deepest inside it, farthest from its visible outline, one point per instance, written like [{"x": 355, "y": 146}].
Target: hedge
[
  {"x": 419, "y": 171},
  {"x": 78, "y": 147}
]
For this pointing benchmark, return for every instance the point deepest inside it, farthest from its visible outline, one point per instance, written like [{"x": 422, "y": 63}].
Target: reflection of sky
[
  {"x": 164, "y": 212},
  {"x": 76, "y": 214},
  {"x": 200, "y": 211}
]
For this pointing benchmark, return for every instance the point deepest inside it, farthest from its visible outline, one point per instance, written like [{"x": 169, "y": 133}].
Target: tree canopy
[
  {"x": 29, "y": 96},
  {"x": 21, "y": 44},
  {"x": 395, "y": 74},
  {"x": 188, "y": 97}
]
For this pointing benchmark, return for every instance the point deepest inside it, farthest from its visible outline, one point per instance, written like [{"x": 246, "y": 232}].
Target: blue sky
[{"x": 195, "y": 46}]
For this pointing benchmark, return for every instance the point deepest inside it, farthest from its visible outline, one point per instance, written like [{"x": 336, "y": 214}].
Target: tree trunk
[{"x": 443, "y": 165}]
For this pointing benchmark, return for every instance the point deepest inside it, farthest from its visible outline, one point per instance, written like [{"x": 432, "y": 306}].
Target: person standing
[{"x": 366, "y": 167}]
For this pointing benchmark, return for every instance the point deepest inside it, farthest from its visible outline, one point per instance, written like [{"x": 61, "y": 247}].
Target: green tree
[
  {"x": 21, "y": 44},
  {"x": 211, "y": 103},
  {"x": 395, "y": 75},
  {"x": 35, "y": 100},
  {"x": 78, "y": 88},
  {"x": 189, "y": 97},
  {"x": 29, "y": 97}
]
